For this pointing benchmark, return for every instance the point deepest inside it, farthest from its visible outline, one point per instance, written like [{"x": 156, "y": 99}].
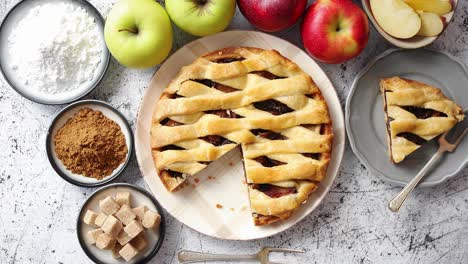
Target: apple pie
[
  {"x": 415, "y": 113},
  {"x": 259, "y": 100}
]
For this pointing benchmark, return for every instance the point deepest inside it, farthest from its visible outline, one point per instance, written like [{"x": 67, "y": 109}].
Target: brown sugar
[{"x": 91, "y": 144}]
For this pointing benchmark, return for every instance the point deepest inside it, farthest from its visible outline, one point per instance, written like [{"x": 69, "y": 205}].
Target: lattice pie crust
[
  {"x": 259, "y": 100},
  {"x": 415, "y": 113}
]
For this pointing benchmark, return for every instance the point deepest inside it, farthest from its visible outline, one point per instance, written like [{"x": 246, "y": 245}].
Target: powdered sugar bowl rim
[
  {"x": 26, "y": 90},
  {"x": 68, "y": 112}
]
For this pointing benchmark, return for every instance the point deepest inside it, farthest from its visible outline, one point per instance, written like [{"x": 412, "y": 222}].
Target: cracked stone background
[{"x": 38, "y": 209}]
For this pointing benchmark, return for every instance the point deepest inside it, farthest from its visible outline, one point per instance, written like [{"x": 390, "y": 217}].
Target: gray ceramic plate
[
  {"x": 365, "y": 118},
  {"x": 62, "y": 117},
  {"x": 139, "y": 197}
]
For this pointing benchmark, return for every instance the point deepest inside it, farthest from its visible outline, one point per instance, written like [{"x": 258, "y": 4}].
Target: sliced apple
[
  {"x": 431, "y": 24},
  {"x": 440, "y": 7},
  {"x": 396, "y": 18}
]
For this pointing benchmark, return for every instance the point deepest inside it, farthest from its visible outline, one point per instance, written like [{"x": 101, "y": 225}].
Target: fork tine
[{"x": 285, "y": 250}]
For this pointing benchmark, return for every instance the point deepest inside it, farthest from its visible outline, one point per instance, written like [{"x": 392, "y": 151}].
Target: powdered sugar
[{"x": 55, "y": 48}]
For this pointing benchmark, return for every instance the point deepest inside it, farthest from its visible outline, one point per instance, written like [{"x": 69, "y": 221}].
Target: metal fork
[
  {"x": 186, "y": 256},
  {"x": 395, "y": 204}
]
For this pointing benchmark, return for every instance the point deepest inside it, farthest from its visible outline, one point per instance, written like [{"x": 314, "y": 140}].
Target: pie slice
[
  {"x": 256, "y": 99},
  {"x": 415, "y": 113}
]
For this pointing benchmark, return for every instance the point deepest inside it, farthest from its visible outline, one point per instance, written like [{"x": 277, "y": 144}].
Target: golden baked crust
[
  {"x": 254, "y": 98},
  {"x": 415, "y": 113}
]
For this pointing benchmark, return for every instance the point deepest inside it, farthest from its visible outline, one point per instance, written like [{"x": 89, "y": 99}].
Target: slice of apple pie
[{"x": 415, "y": 113}]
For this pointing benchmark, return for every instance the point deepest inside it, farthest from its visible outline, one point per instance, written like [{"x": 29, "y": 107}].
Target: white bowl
[
  {"x": 411, "y": 43},
  {"x": 8, "y": 24}
]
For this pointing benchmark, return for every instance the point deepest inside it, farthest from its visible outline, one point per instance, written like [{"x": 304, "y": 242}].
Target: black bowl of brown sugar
[{"x": 89, "y": 143}]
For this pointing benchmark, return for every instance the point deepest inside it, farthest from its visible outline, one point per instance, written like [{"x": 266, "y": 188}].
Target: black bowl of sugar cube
[{"x": 121, "y": 223}]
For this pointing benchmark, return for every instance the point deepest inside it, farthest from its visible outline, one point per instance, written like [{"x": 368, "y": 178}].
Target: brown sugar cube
[
  {"x": 125, "y": 215},
  {"x": 105, "y": 241},
  {"x": 109, "y": 206},
  {"x": 123, "y": 198},
  {"x": 90, "y": 217},
  {"x": 151, "y": 220},
  {"x": 139, "y": 212},
  {"x": 133, "y": 228},
  {"x": 92, "y": 235},
  {"x": 128, "y": 252},
  {"x": 123, "y": 238},
  {"x": 139, "y": 242},
  {"x": 100, "y": 219},
  {"x": 112, "y": 226},
  {"x": 115, "y": 251}
]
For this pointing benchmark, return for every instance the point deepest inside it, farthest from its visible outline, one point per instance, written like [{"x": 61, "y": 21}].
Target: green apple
[
  {"x": 201, "y": 17},
  {"x": 138, "y": 33}
]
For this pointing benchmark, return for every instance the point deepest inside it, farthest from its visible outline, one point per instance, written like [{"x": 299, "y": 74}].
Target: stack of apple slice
[{"x": 408, "y": 18}]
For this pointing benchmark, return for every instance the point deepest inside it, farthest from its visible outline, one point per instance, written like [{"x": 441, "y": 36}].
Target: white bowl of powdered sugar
[{"x": 53, "y": 51}]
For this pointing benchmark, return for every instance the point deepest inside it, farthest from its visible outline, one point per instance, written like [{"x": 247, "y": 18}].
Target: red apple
[
  {"x": 334, "y": 31},
  {"x": 272, "y": 15}
]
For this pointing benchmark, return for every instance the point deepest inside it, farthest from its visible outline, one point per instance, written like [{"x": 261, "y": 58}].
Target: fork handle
[
  {"x": 395, "y": 204},
  {"x": 186, "y": 256}
]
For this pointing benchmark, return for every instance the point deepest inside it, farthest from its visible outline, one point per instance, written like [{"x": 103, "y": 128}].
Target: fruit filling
[
  {"x": 170, "y": 122},
  {"x": 171, "y": 147},
  {"x": 218, "y": 86},
  {"x": 315, "y": 156},
  {"x": 274, "y": 191},
  {"x": 217, "y": 140},
  {"x": 267, "y": 75},
  {"x": 267, "y": 162},
  {"x": 268, "y": 134},
  {"x": 273, "y": 107},
  {"x": 228, "y": 60},
  {"x": 174, "y": 96},
  {"x": 423, "y": 113},
  {"x": 224, "y": 113},
  {"x": 412, "y": 137},
  {"x": 175, "y": 174}
]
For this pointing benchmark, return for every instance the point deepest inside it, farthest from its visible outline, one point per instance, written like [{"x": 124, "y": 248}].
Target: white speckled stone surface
[{"x": 38, "y": 209}]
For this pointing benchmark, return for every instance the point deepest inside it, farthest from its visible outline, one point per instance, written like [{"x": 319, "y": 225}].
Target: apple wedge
[
  {"x": 431, "y": 24},
  {"x": 396, "y": 18},
  {"x": 440, "y": 7}
]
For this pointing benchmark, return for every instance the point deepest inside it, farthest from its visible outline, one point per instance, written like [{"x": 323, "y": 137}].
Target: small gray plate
[
  {"x": 62, "y": 117},
  {"x": 365, "y": 117},
  {"x": 140, "y": 196}
]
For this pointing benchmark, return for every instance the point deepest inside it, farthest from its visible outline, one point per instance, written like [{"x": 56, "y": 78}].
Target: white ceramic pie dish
[
  {"x": 197, "y": 207},
  {"x": 411, "y": 43}
]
